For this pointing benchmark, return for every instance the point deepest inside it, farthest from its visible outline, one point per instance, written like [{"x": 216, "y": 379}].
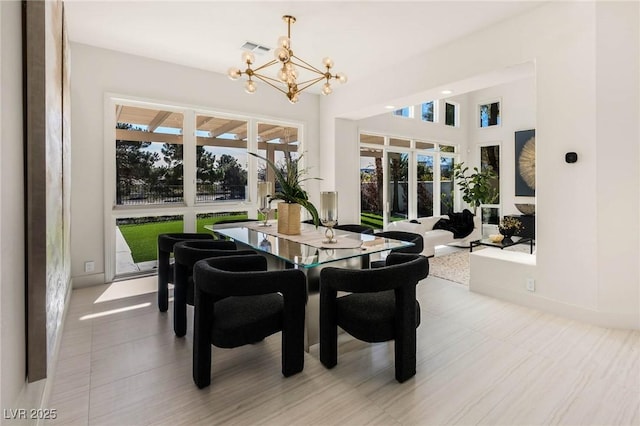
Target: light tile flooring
[{"x": 480, "y": 361}]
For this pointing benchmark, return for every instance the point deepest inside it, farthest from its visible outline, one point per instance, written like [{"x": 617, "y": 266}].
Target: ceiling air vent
[{"x": 255, "y": 48}]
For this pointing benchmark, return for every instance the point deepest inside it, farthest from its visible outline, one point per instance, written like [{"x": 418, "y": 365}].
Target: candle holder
[
  {"x": 329, "y": 214},
  {"x": 264, "y": 201}
]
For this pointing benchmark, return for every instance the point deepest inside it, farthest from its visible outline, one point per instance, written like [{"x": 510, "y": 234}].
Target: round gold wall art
[{"x": 527, "y": 163}]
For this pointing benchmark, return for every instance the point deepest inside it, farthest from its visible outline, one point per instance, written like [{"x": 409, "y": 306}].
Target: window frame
[
  {"x": 413, "y": 152},
  {"x": 189, "y": 209},
  {"x": 497, "y": 100},
  {"x": 435, "y": 111}
]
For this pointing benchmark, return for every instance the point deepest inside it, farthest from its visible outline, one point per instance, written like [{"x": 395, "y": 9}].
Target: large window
[
  {"x": 176, "y": 169},
  {"x": 398, "y": 185},
  {"x": 447, "y": 190},
  {"x": 415, "y": 180},
  {"x": 425, "y": 175},
  {"x": 221, "y": 159},
  {"x": 148, "y": 156},
  {"x": 490, "y": 157},
  {"x": 371, "y": 183}
]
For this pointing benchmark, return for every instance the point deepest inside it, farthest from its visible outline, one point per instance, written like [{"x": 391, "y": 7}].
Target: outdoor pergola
[{"x": 271, "y": 137}]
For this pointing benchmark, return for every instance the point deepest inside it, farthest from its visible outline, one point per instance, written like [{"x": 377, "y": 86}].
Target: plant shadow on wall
[
  {"x": 477, "y": 187},
  {"x": 289, "y": 178}
]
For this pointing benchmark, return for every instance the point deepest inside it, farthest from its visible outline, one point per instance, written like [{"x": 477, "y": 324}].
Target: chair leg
[
  {"x": 202, "y": 341},
  {"x": 180, "y": 300},
  {"x": 328, "y": 328},
  {"x": 405, "y": 356},
  {"x": 179, "y": 310},
  {"x": 163, "y": 280},
  {"x": 293, "y": 337}
]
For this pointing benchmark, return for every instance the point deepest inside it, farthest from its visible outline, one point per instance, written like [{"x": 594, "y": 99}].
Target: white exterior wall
[
  {"x": 579, "y": 265},
  {"x": 12, "y": 278},
  {"x": 97, "y": 72}
]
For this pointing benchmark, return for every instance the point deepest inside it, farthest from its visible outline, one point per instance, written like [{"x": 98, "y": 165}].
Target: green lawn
[
  {"x": 375, "y": 220},
  {"x": 143, "y": 238}
]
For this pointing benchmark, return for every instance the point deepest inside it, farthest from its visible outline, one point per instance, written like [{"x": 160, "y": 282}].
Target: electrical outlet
[
  {"x": 531, "y": 284},
  {"x": 89, "y": 266}
]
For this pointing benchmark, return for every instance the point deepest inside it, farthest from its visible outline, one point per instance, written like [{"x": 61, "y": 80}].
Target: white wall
[
  {"x": 618, "y": 155},
  {"x": 577, "y": 58},
  {"x": 96, "y": 72},
  {"x": 12, "y": 280},
  {"x": 517, "y": 112}
]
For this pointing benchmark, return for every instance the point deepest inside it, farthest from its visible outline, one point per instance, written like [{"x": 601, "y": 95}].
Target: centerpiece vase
[
  {"x": 289, "y": 218},
  {"x": 507, "y": 232}
]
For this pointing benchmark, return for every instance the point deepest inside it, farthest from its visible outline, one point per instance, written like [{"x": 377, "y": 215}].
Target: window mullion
[{"x": 189, "y": 167}]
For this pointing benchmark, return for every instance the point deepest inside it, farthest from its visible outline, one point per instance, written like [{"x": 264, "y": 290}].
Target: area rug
[
  {"x": 455, "y": 266},
  {"x": 452, "y": 267}
]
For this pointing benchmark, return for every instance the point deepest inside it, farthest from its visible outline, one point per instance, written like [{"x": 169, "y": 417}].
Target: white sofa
[{"x": 436, "y": 237}]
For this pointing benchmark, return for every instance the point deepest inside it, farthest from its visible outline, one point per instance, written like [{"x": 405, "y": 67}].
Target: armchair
[
  {"x": 165, "y": 268},
  {"x": 416, "y": 248},
  {"x": 238, "y": 302},
  {"x": 381, "y": 306},
  {"x": 186, "y": 254}
]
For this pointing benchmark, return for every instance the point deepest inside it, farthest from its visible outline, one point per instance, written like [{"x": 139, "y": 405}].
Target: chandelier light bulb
[
  {"x": 328, "y": 62},
  {"x": 284, "y": 76},
  {"x": 281, "y": 54},
  {"x": 234, "y": 73},
  {"x": 248, "y": 57},
  {"x": 250, "y": 87},
  {"x": 284, "y": 41}
]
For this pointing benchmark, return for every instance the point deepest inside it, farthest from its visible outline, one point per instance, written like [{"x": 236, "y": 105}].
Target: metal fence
[{"x": 128, "y": 194}]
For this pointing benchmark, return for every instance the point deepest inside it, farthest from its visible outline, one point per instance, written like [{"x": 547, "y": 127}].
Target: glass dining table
[{"x": 309, "y": 253}]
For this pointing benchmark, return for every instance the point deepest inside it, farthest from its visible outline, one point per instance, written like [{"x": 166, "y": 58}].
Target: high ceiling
[{"x": 358, "y": 36}]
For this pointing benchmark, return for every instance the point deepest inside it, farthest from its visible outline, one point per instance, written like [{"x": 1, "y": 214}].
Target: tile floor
[{"x": 480, "y": 361}]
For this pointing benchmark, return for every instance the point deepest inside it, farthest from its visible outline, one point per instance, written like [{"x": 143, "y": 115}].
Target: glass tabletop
[
  {"x": 503, "y": 243},
  {"x": 304, "y": 250}
]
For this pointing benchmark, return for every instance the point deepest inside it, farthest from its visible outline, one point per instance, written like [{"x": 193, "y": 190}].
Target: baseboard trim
[
  {"x": 88, "y": 280},
  {"x": 582, "y": 314}
]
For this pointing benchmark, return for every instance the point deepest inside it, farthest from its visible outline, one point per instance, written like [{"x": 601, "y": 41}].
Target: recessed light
[
  {"x": 447, "y": 92},
  {"x": 389, "y": 107}
]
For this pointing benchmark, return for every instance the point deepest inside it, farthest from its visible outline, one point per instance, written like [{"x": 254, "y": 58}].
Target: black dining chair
[
  {"x": 381, "y": 306},
  {"x": 186, "y": 254},
  {"x": 353, "y": 227},
  {"x": 165, "y": 267},
  {"x": 239, "y": 302},
  {"x": 416, "y": 248}
]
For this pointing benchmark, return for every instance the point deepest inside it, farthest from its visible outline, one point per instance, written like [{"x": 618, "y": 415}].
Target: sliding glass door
[
  {"x": 398, "y": 185},
  {"x": 405, "y": 179}
]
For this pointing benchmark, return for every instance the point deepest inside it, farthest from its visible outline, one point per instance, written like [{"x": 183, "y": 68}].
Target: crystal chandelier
[{"x": 288, "y": 73}]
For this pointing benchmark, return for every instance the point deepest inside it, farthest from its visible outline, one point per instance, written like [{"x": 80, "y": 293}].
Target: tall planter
[{"x": 289, "y": 218}]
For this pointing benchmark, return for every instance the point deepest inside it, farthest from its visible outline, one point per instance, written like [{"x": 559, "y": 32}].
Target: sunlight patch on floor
[{"x": 129, "y": 288}]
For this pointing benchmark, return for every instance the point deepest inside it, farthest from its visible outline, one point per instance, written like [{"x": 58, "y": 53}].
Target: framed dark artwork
[{"x": 525, "y": 160}]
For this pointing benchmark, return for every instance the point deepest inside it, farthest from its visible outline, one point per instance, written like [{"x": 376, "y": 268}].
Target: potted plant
[
  {"x": 291, "y": 193},
  {"x": 509, "y": 226},
  {"x": 477, "y": 187}
]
